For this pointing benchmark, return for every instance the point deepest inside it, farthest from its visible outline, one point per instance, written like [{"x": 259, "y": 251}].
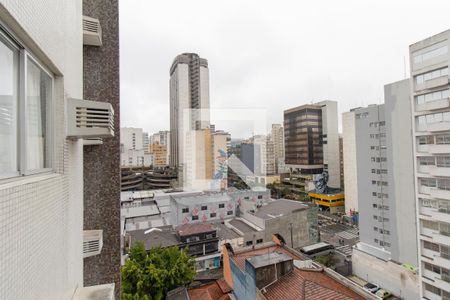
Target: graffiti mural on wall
[{"x": 220, "y": 177}]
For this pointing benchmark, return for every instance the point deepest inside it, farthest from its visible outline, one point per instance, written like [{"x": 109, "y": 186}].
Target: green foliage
[
  {"x": 326, "y": 260},
  {"x": 151, "y": 276}
]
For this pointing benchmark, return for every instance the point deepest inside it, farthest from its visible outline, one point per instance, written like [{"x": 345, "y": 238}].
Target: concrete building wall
[
  {"x": 429, "y": 62},
  {"x": 102, "y": 163},
  {"x": 373, "y": 197},
  {"x": 131, "y": 138},
  {"x": 350, "y": 163},
  {"x": 389, "y": 275},
  {"x": 399, "y": 142},
  {"x": 330, "y": 134},
  {"x": 295, "y": 223},
  {"x": 41, "y": 215}
]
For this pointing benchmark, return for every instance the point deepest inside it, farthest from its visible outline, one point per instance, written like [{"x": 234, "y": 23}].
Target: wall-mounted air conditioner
[
  {"x": 92, "y": 242},
  {"x": 92, "y": 31},
  {"x": 89, "y": 119}
]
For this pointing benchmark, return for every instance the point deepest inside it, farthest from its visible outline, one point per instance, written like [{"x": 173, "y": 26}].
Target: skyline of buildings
[{"x": 306, "y": 213}]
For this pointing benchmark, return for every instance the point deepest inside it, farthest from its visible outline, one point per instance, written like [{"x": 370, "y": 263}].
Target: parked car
[
  {"x": 383, "y": 294},
  {"x": 371, "y": 287}
]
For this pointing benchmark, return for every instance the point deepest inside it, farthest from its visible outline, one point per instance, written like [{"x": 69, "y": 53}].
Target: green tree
[{"x": 151, "y": 276}]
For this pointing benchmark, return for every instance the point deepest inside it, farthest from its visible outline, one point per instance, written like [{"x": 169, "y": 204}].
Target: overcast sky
[{"x": 269, "y": 55}]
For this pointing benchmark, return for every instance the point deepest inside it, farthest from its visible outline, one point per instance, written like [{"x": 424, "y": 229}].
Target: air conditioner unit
[
  {"x": 92, "y": 242},
  {"x": 92, "y": 31},
  {"x": 89, "y": 119}
]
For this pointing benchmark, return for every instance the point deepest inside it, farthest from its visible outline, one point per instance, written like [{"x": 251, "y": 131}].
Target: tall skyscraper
[
  {"x": 189, "y": 92},
  {"x": 312, "y": 140},
  {"x": 380, "y": 141},
  {"x": 429, "y": 63},
  {"x": 277, "y": 138}
]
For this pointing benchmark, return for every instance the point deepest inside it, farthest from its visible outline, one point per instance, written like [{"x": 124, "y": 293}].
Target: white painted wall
[{"x": 350, "y": 170}]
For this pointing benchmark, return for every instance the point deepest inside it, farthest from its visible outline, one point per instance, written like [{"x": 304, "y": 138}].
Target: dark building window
[
  {"x": 204, "y": 207},
  {"x": 194, "y": 218},
  {"x": 259, "y": 196},
  {"x": 259, "y": 241},
  {"x": 185, "y": 210},
  {"x": 212, "y": 215},
  {"x": 249, "y": 243},
  {"x": 230, "y": 212},
  {"x": 221, "y": 205}
]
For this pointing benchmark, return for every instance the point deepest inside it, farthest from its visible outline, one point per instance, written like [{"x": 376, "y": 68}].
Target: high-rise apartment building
[
  {"x": 277, "y": 137},
  {"x": 60, "y": 185},
  {"x": 145, "y": 142},
  {"x": 429, "y": 63},
  {"x": 133, "y": 152},
  {"x": 312, "y": 140},
  {"x": 382, "y": 149},
  {"x": 189, "y": 94},
  {"x": 162, "y": 138}
]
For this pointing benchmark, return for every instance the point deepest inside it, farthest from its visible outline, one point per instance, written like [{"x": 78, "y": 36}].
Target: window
[
  {"x": 259, "y": 196},
  {"x": 194, "y": 218},
  {"x": 375, "y": 217},
  {"x": 29, "y": 113},
  {"x": 429, "y": 54},
  {"x": 374, "y": 194},
  {"x": 376, "y": 241},
  {"x": 431, "y": 246},
  {"x": 425, "y": 140},
  {"x": 374, "y": 205},
  {"x": 430, "y": 97},
  {"x": 432, "y": 268},
  {"x": 426, "y": 161},
  {"x": 373, "y": 171},
  {"x": 443, "y": 139},
  {"x": 185, "y": 210},
  {"x": 431, "y": 75},
  {"x": 259, "y": 241},
  {"x": 375, "y": 228},
  {"x": 229, "y": 213},
  {"x": 430, "y": 225},
  {"x": 443, "y": 161},
  {"x": 432, "y": 289},
  {"x": 204, "y": 207},
  {"x": 249, "y": 243},
  {"x": 221, "y": 205},
  {"x": 212, "y": 215}
]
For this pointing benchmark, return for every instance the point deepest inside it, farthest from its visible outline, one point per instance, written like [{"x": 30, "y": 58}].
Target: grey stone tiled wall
[{"x": 102, "y": 163}]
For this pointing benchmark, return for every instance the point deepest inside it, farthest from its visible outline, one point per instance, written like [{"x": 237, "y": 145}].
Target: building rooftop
[
  {"x": 162, "y": 236},
  {"x": 201, "y": 198},
  {"x": 190, "y": 229},
  {"x": 300, "y": 284},
  {"x": 242, "y": 226},
  {"x": 278, "y": 208},
  {"x": 217, "y": 290},
  {"x": 225, "y": 233},
  {"x": 271, "y": 258}
]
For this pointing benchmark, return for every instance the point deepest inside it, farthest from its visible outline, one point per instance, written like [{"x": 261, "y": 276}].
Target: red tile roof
[
  {"x": 188, "y": 229},
  {"x": 299, "y": 284},
  {"x": 214, "y": 291}
]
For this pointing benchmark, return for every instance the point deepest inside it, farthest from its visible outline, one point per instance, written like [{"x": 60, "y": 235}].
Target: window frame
[{"x": 26, "y": 56}]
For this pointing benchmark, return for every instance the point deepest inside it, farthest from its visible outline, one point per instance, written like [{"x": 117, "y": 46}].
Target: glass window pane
[
  {"x": 9, "y": 59},
  {"x": 39, "y": 85}
]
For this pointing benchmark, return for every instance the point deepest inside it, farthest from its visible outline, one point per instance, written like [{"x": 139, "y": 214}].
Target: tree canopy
[{"x": 151, "y": 276}]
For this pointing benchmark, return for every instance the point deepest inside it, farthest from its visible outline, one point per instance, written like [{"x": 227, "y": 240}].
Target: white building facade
[{"x": 429, "y": 61}]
